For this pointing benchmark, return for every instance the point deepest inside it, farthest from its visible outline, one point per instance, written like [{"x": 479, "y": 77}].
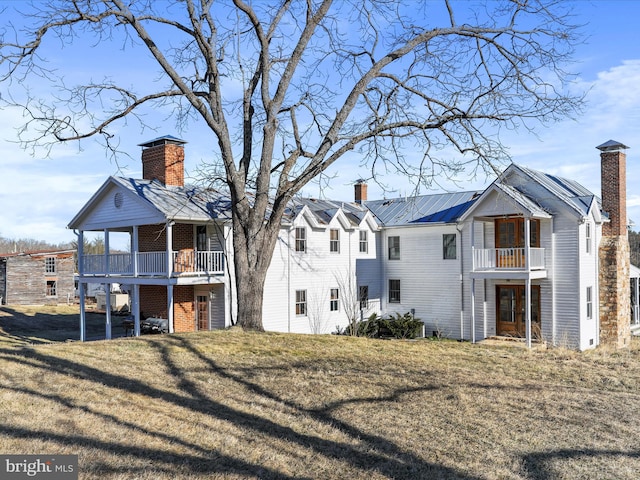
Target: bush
[{"x": 398, "y": 326}]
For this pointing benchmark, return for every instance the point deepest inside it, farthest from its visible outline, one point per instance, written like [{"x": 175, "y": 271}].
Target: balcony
[
  {"x": 504, "y": 259},
  {"x": 183, "y": 262}
]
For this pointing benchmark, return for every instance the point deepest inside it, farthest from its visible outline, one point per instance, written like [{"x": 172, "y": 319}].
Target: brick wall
[
  {"x": 153, "y": 303},
  {"x": 164, "y": 163},
  {"x": 153, "y": 238},
  {"x": 614, "y": 191},
  {"x": 184, "y": 309}
]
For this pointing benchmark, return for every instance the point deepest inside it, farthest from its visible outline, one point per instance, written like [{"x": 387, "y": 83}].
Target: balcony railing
[
  {"x": 507, "y": 259},
  {"x": 183, "y": 262}
]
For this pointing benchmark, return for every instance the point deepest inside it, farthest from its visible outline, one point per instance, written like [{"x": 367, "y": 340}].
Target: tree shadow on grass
[
  {"x": 365, "y": 452},
  {"x": 23, "y": 329},
  {"x": 537, "y": 465}
]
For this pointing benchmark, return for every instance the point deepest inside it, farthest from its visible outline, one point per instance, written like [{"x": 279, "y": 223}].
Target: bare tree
[{"x": 288, "y": 87}]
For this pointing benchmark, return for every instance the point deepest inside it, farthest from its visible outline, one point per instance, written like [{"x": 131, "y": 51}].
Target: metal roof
[
  {"x": 568, "y": 191},
  {"x": 436, "y": 208}
]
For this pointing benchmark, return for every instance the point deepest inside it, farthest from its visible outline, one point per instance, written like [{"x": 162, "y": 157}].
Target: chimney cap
[
  {"x": 611, "y": 145},
  {"x": 164, "y": 140}
]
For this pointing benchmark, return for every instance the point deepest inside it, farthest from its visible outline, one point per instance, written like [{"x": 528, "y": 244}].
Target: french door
[{"x": 511, "y": 313}]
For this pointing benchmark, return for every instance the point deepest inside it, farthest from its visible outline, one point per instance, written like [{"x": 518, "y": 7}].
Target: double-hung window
[
  {"x": 394, "y": 291},
  {"x": 334, "y": 301},
  {"x": 449, "y": 246},
  {"x": 301, "y": 303},
  {"x": 394, "y": 248},
  {"x": 588, "y": 236},
  {"x": 364, "y": 244},
  {"x": 589, "y": 303},
  {"x": 334, "y": 240},
  {"x": 301, "y": 239}
]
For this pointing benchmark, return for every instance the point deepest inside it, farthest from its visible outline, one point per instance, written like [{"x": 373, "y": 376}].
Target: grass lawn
[{"x": 229, "y": 404}]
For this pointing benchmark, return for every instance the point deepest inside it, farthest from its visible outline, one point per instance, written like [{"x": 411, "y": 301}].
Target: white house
[{"x": 533, "y": 256}]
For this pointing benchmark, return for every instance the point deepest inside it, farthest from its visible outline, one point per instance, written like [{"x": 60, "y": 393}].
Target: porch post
[
  {"x": 169, "y": 249},
  {"x": 136, "y": 309},
  {"x": 527, "y": 306},
  {"x": 106, "y": 252},
  {"x": 107, "y": 311},
  {"x": 473, "y": 310},
  {"x": 527, "y": 244},
  {"x": 170, "y": 307},
  {"x": 636, "y": 309},
  {"x": 83, "y": 315},
  {"x": 134, "y": 250}
]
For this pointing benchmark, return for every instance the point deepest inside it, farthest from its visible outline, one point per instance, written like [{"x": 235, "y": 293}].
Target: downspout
[
  {"x": 291, "y": 229},
  {"x": 459, "y": 229},
  {"x": 553, "y": 282}
]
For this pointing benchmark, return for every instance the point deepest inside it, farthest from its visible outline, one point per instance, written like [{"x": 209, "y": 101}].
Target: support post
[
  {"x": 136, "y": 309},
  {"x": 170, "y": 308},
  {"x": 83, "y": 315},
  {"x": 527, "y": 309},
  {"x": 107, "y": 311}
]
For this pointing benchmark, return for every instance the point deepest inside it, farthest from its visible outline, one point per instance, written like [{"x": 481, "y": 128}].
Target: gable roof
[{"x": 571, "y": 193}]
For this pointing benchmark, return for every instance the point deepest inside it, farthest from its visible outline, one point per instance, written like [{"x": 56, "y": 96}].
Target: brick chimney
[
  {"x": 360, "y": 191},
  {"x": 613, "y": 253},
  {"x": 163, "y": 160}
]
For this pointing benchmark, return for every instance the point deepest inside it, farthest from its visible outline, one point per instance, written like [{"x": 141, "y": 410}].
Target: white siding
[
  {"x": 133, "y": 211},
  {"x": 429, "y": 284},
  {"x": 317, "y": 270}
]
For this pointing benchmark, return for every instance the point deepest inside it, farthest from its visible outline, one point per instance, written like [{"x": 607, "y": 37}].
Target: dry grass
[{"x": 230, "y": 404}]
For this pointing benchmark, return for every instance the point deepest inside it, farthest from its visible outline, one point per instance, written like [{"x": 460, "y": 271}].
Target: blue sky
[{"x": 41, "y": 194}]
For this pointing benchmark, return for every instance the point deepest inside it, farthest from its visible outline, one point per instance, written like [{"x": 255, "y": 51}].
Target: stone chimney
[
  {"x": 613, "y": 253},
  {"x": 360, "y": 191},
  {"x": 163, "y": 160}
]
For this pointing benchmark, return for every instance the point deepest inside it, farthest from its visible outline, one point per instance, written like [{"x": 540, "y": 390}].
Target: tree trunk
[{"x": 250, "y": 293}]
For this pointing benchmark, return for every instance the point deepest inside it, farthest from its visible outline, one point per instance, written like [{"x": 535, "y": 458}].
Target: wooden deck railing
[
  {"x": 507, "y": 259},
  {"x": 184, "y": 262}
]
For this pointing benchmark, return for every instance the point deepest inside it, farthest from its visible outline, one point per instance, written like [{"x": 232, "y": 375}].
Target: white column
[
  {"x": 527, "y": 244},
  {"x": 83, "y": 323},
  {"x": 134, "y": 250},
  {"x": 170, "y": 308},
  {"x": 136, "y": 309},
  {"x": 106, "y": 252},
  {"x": 473, "y": 310},
  {"x": 107, "y": 308},
  {"x": 169, "y": 250},
  {"x": 527, "y": 311}
]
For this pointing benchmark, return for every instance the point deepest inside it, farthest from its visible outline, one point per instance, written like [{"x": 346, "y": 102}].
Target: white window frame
[
  {"x": 364, "y": 241},
  {"x": 334, "y": 240},
  {"x": 334, "y": 300},
  {"x": 589, "y": 297},
  {"x": 301, "y": 239},
  {"x": 588, "y": 236},
  {"x": 394, "y": 247},
  {"x": 301, "y": 303}
]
